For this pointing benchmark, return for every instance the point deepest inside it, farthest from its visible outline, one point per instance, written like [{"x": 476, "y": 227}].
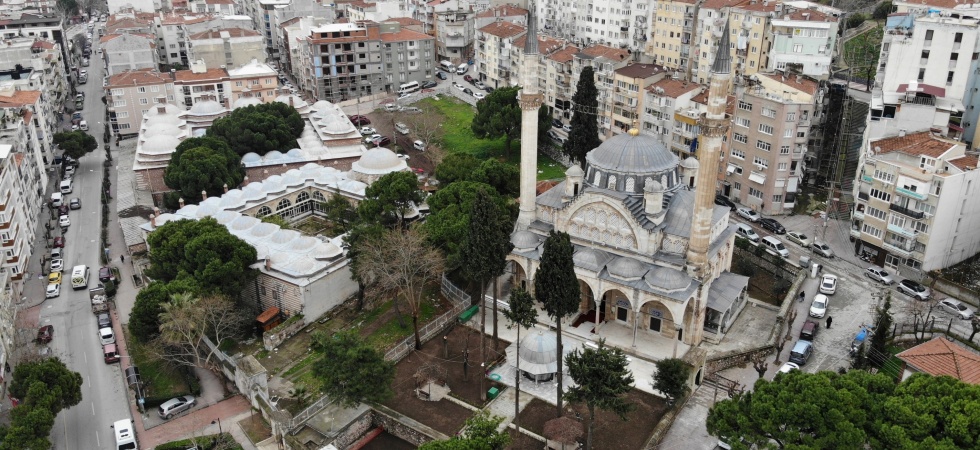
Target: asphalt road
[{"x": 104, "y": 397}]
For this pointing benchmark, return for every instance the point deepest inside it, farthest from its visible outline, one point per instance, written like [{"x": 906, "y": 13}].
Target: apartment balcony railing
[
  {"x": 908, "y": 193},
  {"x": 896, "y": 248},
  {"x": 903, "y": 210}
]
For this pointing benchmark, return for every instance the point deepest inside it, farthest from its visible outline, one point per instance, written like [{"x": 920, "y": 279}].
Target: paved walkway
[{"x": 198, "y": 423}]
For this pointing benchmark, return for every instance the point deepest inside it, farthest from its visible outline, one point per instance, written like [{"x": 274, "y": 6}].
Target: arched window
[
  {"x": 302, "y": 197},
  {"x": 611, "y": 184},
  {"x": 318, "y": 200},
  {"x": 263, "y": 211},
  {"x": 283, "y": 204},
  {"x": 630, "y": 184},
  {"x": 595, "y": 180},
  {"x": 284, "y": 209},
  {"x": 303, "y": 204}
]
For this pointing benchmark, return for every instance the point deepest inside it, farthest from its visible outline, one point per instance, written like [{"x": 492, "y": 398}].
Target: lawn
[
  {"x": 458, "y": 137},
  {"x": 863, "y": 50},
  {"x": 160, "y": 379}
]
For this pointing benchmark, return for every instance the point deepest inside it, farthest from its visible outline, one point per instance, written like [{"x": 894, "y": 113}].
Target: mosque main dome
[{"x": 627, "y": 162}]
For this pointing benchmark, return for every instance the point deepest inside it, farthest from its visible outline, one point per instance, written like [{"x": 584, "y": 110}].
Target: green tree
[
  {"x": 144, "y": 320},
  {"x": 498, "y": 115},
  {"x": 544, "y": 125},
  {"x": 351, "y": 371},
  {"x": 44, "y": 388},
  {"x": 671, "y": 378},
  {"x": 882, "y": 11},
  {"x": 602, "y": 380},
  {"x": 855, "y": 20},
  {"x": 505, "y": 178},
  {"x": 556, "y": 286},
  {"x": 927, "y": 412},
  {"x": 523, "y": 315},
  {"x": 389, "y": 199},
  {"x": 479, "y": 433},
  {"x": 584, "y": 136},
  {"x": 340, "y": 211},
  {"x": 879, "y": 354},
  {"x": 448, "y": 222},
  {"x": 210, "y": 167},
  {"x": 259, "y": 128},
  {"x": 204, "y": 251},
  {"x": 456, "y": 167},
  {"x": 75, "y": 143}
]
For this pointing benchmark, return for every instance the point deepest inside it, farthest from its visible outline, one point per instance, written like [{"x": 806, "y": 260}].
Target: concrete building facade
[
  {"x": 130, "y": 94},
  {"x": 229, "y": 47},
  {"x": 122, "y": 52}
]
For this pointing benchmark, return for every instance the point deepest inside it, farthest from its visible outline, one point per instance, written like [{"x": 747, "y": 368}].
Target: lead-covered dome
[{"x": 626, "y": 162}]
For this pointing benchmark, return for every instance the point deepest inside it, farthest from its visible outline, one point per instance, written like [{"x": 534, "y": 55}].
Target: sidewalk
[{"x": 198, "y": 423}]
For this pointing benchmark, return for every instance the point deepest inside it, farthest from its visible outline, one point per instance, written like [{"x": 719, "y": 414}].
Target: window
[
  {"x": 238, "y": 84},
  {"x": 122, "y": 114},
  {"x": 778, "y": 198},
  {"x": 755, "y": 192},
  {"x": 763, "y": 145},
  {"x": 922, "y": 75},
  {"x": 797, "y": 48},
  {"x": 925, "y": 55},
  {"x": 769, "y": 112},
  {"x": 875, "y": 212},
  {"x": 761, "y": 162},
  {"x": 144, "y": 101},
  {"x": 920, "y": 227},
  {"x": 870, "y": 230},
  {"x": 742, "y": 122},
  {"x": 881, "y": 195},
  {"x": 765, "y": 129},
  {"x": 141, "y": 89},
  {"x": 744, "y": 106},
  {"x": 949, "y": 77},
  {"x": 740, "y": 138},
  {"x": 788, "y": 133},
  {"x": 784, "y": 150},
  {"x": 783, "y": 167},
  {"x": 117, "y": 92},
  {"x": 738, "y": 154},
  {"x": 154, "y": 88},
  {"x": 884, "y": 177},
  {"x": 737, "y": 186},
  {"x": 929, "y": 35},
  {"x": 958, "y": 38}
]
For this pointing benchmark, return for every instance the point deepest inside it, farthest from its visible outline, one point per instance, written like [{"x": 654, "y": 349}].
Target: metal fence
[
  {"x": 455, "y": 295},
  {"x": 305, "y": 414}
]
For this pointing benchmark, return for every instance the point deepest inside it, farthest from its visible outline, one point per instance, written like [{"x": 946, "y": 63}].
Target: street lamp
[{"x": 218, "y": 420}]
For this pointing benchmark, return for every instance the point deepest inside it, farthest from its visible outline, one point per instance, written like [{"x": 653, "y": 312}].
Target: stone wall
[
  {"x": 273, "y": 338},
  {"x": 355, "y": 430},
  {"x": 955, "y": 290},
  {"x": 404, "y": 432}
]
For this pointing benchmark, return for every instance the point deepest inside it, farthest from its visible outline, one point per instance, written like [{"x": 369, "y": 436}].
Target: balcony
[
  {"x": 866, "y": 179},
  {"x": 902, "y": 210},
  {"x": 908, "y": 193},
  {"x": 895, "y": 248},
  {"x": 901, "y": 231},
  {"x": 863, "y": 196}
]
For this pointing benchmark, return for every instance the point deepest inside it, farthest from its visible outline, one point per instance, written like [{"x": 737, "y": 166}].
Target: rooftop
[
  {"x": 141, "y": 77},
  {"x": 915, "y": 144},
  {"x": 405, "y": 35},
  {"x": 602, "y": 51},
  {"x": 669, "y": 87},
  {"x": 229, "y": 32},
  {"x": 404, "y": 21},
  {"x": 798, "y": 82},
  {"x": 967, "y": 162},
  {"x": 19, "y": 98},
  {"x": 640, "y": 70},
  {"x": 503, "y": 29},
  {"x": 503, "y": 11},
  {"x": 209, "y": 74},
  {"x": 546, "y": 45},
  {"x": 942, "y": 357},
  {"x": 564, "y": 55}
]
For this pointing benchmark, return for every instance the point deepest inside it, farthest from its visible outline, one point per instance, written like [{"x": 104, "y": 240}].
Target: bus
[
  {"x": 79, "y": 277},
  {"x": 408, "y": 88}
]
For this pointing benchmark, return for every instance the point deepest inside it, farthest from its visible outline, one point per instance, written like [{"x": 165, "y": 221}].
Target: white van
[
  {"x": 401, "y": 128},
  {"x": 462, "y": 69},
  {"x": 66, "y": 187},
  {"x": 125, "y": 437},
  {"x": 447, "y": 66},
  {"x": 56, "y": 199},
  {"x": 747, "y": 232},
  {"x": 408, "y": 88},
  {"x": 774, "y": 246},
  {"x": 79, "y": 277}
]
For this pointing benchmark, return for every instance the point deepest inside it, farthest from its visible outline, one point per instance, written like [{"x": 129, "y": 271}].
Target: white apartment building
[
  {"x": 670, "y": 114},
  {"x": 617, "y": 23},
  {"x": 201, "y": 83},
  {"x": 25, "y": 128},
  {"x": 121, "y": 52},
  {"x": 605, "y": 61},
  {"x": 130, "y": 94},
  {"x": 495, "y": 44},
  {"x": 803, "y": 40},
  {"x": 136, "y": 5},
  {"x": 41, "y": 70},
  {"x": 455, "y": 32},
  {"x": 296, "y": 57},
  {"x": 230, "y": 47},
  {"x": 268, "y": 16},
  {"x": 558, "y": 89},
  {"x": 915, "y": 209},
  {"x": 359, "y": 10},
  {"x": 226, "y": 7}
]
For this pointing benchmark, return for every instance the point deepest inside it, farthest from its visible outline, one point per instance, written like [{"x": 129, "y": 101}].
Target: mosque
[{"x": 652, "y": 250}]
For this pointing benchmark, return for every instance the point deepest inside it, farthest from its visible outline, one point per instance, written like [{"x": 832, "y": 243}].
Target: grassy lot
[
  {"x": 458, "y": 137},
  {"x": 862, "y": 50},
  {"x": 162, "y": 381}
]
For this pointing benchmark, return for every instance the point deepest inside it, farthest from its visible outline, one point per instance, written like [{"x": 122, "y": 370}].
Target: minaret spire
[{"x": 530, "y": 100}]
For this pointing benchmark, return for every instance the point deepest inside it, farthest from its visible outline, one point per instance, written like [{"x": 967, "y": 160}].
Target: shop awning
[{"x": 756, "y": 177}]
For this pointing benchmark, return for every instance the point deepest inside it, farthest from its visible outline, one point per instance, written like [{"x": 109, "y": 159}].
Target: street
[{"x": 76, "y": 340}]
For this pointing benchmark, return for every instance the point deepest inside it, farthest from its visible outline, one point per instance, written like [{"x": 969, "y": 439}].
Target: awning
[
  {"x": 267, "y": 315},
  {"x": 757, "y": 178},
  {"x": 955, "y": 128},
  {"x": 923, "y": 88},
  {"x": 731, "y": 169},
  {"x": 724, "y": 290}
]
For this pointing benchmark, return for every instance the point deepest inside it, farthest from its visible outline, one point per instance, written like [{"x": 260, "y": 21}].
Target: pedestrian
[
  {"x": 122, "y": 258},
  {"x": 819, "y": 268},
  {"x": 830, "y": 320},
  {"x": 802, "y": 296}
]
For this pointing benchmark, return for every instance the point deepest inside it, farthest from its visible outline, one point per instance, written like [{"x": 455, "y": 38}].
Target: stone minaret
[
  {"x": 713, "y": 128},
  {"x": 530, "y": 100}
]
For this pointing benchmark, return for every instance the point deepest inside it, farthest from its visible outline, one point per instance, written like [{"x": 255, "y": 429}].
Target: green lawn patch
[
  {"x": 161, "y": 380},
  {"x": 391, "y": 332},
  {"x": 458, "y": 137},
  {"x": 862, "y": 50}
]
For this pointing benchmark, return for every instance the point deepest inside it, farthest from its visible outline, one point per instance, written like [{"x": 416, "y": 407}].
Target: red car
[
  {"x": 59, "y": 242},
  {"x": 468, "y": 79},
  {"x": 382, "y": 141},
  {"x": 358, "y": 119},
  {"x": 45, "y": 334}
]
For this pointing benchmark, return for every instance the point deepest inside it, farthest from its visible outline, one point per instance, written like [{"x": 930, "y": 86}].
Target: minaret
[
  {"x": 530, "y": 100},
  {"x": 713, "y": 128}
]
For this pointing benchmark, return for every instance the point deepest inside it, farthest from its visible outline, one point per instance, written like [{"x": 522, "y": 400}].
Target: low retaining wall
[
  {"x": 276, "y": 336},
  {"x": 958, "y": 291}
]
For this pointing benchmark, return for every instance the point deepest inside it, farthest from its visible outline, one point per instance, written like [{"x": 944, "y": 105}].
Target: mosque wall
[{"x": 260, "y": 173}]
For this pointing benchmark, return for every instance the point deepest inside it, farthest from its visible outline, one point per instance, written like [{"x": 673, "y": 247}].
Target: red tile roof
[
  {"x": 795, "y": 81},
  {"x": 152, "y": 40},
  {"x": 219, "y": 2},
  {"x": 232, "y": 32},
  {"x": 941, "y": 357},
  {"x": 141, "y": 77},
  {"x": 403, "y": 35},
  {"x": 808, "y": 15},
  {"x": 968, "y": 162},
  {"x": 19, "y": 98},
  {"x": 210, "y": 74},
  {"x": 947, "y": 4},
  {"x": 43, "y": 44},
  {"x": 404, "y": 21},
  {"x": 503, "y": 11},
  {"x": 602, "y": 51},
  {"x": 674, "y": 88},
  {"x": 503, "y": 29},
  {"x": 640, "y": 70},
  {"x": 917, "y": 144},
  {"x": 564, "y": 55},
  {"x": 546, "y": 45}
]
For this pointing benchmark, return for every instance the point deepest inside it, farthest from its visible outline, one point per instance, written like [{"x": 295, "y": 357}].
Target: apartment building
[
  {"x": 34, "y": 64},
  {"x": 122, "y": 52},
  {"x": 149, "y": 6},
  {"x": 358, "y": 10},
  {"x": 130, "y": 94},
  {"x": 616, "y": 23},
  {"x": 915, "y": 210},
  {"x": 670, "y": 114},
  {"x": 38, "y": 118},
  {"x": 129, "y": 22},
  {"x": 495, "y": 45},
  {"x": 44, "y": 26},
  {"x": 296, "y": 57},
  {"x": 628, "y": 94},
  {"x": 172, "y": 32},
  {"x": 673, "y": 34},
  {"x": 546, "y": 46},
  {"x": 229, "y": 47},
  {"x": 803, "y": 40},
  {"x": 748, "y": 22},
  {"x": 268, "y": 17},
  {"x": 253, "y": 80},
  {"x": 770, "y": 129},
  {"x": 351, "y": 60},
  {"x": 455, "y": 31},
  {"x": 507, "y": 13},
  {"x": 604, "y": 60},
  {"x": 225, "y": 7},
  {"x": 558, "y": 90},
  {"x": 201, "y": 83},
  {"x": 557, "y": 18},
  {"x": 407, "y": 23}
]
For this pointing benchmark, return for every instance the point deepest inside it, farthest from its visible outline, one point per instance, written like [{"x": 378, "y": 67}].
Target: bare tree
[
  {"x": 187, "y": 320},
  {"x": 759, "y": 364},
  {"x": 402, "y": 263},
  {"x": 427, "y": 126}
]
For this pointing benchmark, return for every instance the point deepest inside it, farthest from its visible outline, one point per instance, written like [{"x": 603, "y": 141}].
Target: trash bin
[
  {"x": 804, "y": 261},
  {"x": 492, "y": 393},
  {"x": 813, "y": 270}
]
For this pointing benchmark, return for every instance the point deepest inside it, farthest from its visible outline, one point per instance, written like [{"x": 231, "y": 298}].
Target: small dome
[
  {"x": 590, "y": 258},
  {"x": 295, "y": 154},
  {"x": 225, "y": 217},
  {"x": 233, "y": 199},
  {"x": 524, "y": 240},
  {"x": 243, "y": 223},
  {"x": 540, "y": 348},
  {"x": 629, "y": 154},
  {"x": 323, "y": 105},
  {"x": 653, "y": 186},
  {"x": 273, "y": 156},
  {"x": 160, "y": 145},
  {"x": 667, "y": 279},
  {"x": 281, "y": 237},
  {"x": 160, "y": 129},
  {"x": 338, "y": 124},
  {"x": 273, "y": 185},
  {"x": 575, "y": 171},
  {"x": 251, "y": 158},
  {"x": 690, "y": 163},
  {"x": 292, "y": 178},
  {"x": 378, "y": 159},
  {"x": 263, "y": 229},
  {"x": 207, "y": 108},
  {"x": 626, "y": 268},
  {"x": 297, "y": 101},
  {"x": 246, "y": 101},
  {"x": 326, "y": 250},
  {"x": 169, "y": 109}
]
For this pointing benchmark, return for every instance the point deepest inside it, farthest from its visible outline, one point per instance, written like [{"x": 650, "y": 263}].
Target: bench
[{"x": 469, "y": 313}]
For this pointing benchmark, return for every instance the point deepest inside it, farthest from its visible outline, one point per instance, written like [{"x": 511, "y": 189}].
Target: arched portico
[
  {"x": 615, "y": 306},
  {"x": 519, "y": 277},
  {"x": 656, "y": 318}
]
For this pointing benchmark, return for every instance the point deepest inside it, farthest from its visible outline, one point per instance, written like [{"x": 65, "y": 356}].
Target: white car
[
  {"x": 748, "y": 214},
  {"x": 370, "y": 139},
  {"x": 957, "y": 308},
  {"x": 52, "y": 291},
  {"x": 822, "y": 249},
  {"x": 406, "y": 95},
  {"x": 57, "y": 265},
  {"x": 391, "y": 107},
  {"x": 799, "y": 238},
  {"x": 788, "y": 367},
  {"x": 419, "y": 145},
  {"x": 458, "y": 86},
  {"x": 478, "y": 95},
  {"x": 106, "y": 336},
  {"x": 828, "y": 285},
  {"x": 64, "y": 221},
  {"x": 404, "y": 156},
  {"x": 368, "y": 130},
  {"x": 818, "y": 308}
]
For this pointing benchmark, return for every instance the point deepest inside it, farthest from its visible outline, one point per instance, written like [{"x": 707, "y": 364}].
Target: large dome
[
  {"x": 207, "y": 108},
  {"x": 628, "y": 154},
  {"x": 379, "y": 159}
]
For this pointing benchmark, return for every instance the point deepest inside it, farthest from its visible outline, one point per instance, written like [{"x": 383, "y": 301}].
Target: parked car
[
  {"x": 106, "y": 336},
  {"x": 175, "y": 406},
  {"x": 368, "y": 130},
  {"x": 458, "y": 86},
  {"x": 480, "y": 85},
  {"x": 772, "y": 225},
  {"x": 556, "y": 123},
  {"x": 64, "y": 221},
  {"x": 52, "y": 291},
  {"x": 467, "y": 91},
  {"x": 801, "y": 352},
  {"x": 468, "y": 79},
  {"x": 809, "y": 330},
  {"x": 59, "y": 242},
  {"x": 370, "y": 139},
  {"x": 411, "y": 109},
  {"x": 57, "y": 265},
  {"x": 788, "y": 367},
  {"x": 818, "y": 308},
  {"x": 56, "y": 253},
  {"x": 913, "y": 289},
  {"x": 822, "y": 249},
  {"x": 748, "y": 214},
  {"x": 392, "y": 107},
  {"x": 828, "y": 284},
  {"x": 63, "y": 209},
  {"x": 358, "y": 119},
  {"x": 405, "y": 95},
  {"x": 104, "y": 320},
  {"x": 488, "y": 89},
  {"x": 799, "y": 238},
  {"x": 429, "y": 84},
  {"x": 721, "y": 200},
  {"x": 957, "y": 308},
  {"x": 878, "y": 274},
  {"x": 45, "y": 334},
  {"x": 382, "y": 141},
  {"x": 54, "y": 278},
  {"x": 479, "y": 95},
  {"x": 110, "y": 354},
  {"x": 75, "y": 203},
  {"x": 567, "y": 128},
  {"x": 419, "y": 145},
  {"x": 442, "y": 76},
  {"x": 105, "y": 274}
]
